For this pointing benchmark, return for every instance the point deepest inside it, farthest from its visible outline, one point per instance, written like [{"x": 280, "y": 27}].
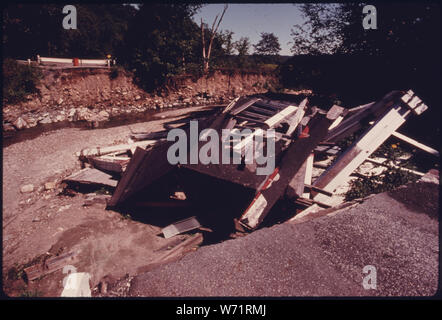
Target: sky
[{"x": 252, "y": 19}]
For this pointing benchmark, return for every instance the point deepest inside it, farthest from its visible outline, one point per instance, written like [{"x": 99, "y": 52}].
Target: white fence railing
[{"x": 75, "y": 61}]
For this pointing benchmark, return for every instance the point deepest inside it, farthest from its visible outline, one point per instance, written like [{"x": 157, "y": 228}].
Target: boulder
[
  {"x": 50, "y": 185},
  {"x": 20, "y": 123},
  {"x": 27, "y": 188}
]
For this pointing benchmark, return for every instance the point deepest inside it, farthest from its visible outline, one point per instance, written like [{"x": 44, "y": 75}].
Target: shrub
[
  {"x": 19, "y": 81},
  {"x": 389, "y": 179}
]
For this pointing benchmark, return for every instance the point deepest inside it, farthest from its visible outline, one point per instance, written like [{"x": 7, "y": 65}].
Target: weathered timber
[
  {"x": 98, "y": 151},
  {"x": 180, "y": 227},
  {"x": 416, "y": 143},
  {"x": 276, "y": 183},
  {"x": 92, "y": 176},
  {"x": 361, "y": 149},
  {"x": 50, "y": 265}
]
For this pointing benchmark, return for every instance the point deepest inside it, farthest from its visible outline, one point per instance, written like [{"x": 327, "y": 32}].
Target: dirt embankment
[{"x": 97, "y": 95}]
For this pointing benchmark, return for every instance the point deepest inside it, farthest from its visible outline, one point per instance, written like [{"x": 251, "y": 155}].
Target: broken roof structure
[{"x": 299, "y": 131}]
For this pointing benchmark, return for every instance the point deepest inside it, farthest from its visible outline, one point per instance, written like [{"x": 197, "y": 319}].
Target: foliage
[
  {"x": 19, "y": 81},
  {"x": 268, "y": 45},
  {"x": 160, "y": 40},
  {"x": 389, "y": 179},
  {"x": 321, "y": 31},
  {"x": 226, "y": 38},
  {"x": 100, "y": 30},
  {"x": 242, "y": 46}
]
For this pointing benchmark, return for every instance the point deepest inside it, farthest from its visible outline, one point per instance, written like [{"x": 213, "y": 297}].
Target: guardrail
[{"x": 76, "y": 62}]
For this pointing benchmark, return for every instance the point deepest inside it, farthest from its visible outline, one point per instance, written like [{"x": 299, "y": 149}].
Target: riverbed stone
[
  {"x": 46, "y": 120},
  {"x": 20, "y": 123},
  {"x": 27, "y": 188}
]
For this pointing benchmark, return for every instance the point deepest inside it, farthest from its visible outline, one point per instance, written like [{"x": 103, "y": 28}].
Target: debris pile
[{"x": 285, "y": 130}]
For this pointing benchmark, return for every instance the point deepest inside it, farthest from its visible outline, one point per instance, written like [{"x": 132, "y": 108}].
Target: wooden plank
[
  {"x": 254, "y": 115},
  {"x": 416, "y": 143},
  {"x": 380, "y": 163},
  {"x": 361, "y": 107},
  {"x": 295, "y": 187},
  {"x": 361, "y": 149},
  {"x": 180, "y": 227},
  {"x": 244, "y": 106},
  {"x": 139, "y": 136},
  {"x": 50, "y": 265},
  {"x": 107, "y": 164},
  {"x": 357, "y": 120},
  {"x": 263, "y": 111},
  {"x": 231, "y": 105},
  {"x": 309, "y": 186},
  {"x": 414, "y": 102},
  {"x": 277, "y": 118},
  {"x": 297, "y": 117},
  {"x": 98, "y": 151},
  {"x": 249, "y": 119},
  {"x": 143, "y": 169},
  {"x": 92, "y": 176},
  {"x": 308, "y": 174},
  {"x": 275, "y": 184},
  {"x": 270, "y": 105},
  {"x": 238, "y": 147}
]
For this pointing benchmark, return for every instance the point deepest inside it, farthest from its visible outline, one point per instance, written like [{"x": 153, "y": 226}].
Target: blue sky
[{"x": 252, "y": 19}]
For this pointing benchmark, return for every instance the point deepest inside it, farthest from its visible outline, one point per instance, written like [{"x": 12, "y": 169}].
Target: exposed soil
[{"x": 50, "y": 222}]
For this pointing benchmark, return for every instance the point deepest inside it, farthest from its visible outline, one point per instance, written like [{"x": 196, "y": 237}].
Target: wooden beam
[
  {"x": 416, "y": 144},
  {"x": 380, "y": 163},
  {"x": 98, "y": 151},
  {"x": 275, "y": 184},
  {"x": 297, "y": 117},
  {"x": 361, "y": 149},
  {"x": 358, "y": 119},
  {"x": 308, "y": 174},
  {"x": 277, "y": 118},
  {"x": 92, "y": 176},
  {"x": 244, "y": 106},
  {"x": 316, "y": 189}
]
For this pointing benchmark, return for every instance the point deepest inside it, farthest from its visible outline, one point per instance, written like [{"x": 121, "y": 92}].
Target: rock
[
  {"x": 27, "y": 188},
  {"x": 137, "y": 97},
  {"x": 102, "y": 116},
  {"x": 36, "y": 219},
  {"x": 20, "y": 123},
  {"x": 83, "y": 114},
  {"x": 50, "y": 185},
  {"x": 71, "y": 112},
  {"x": 32, "y": 122},
  {"x": 8, "y": 127},
  {"x": 60, "y": 101},
  {"x": 60, "y": 117},
  {"x": 63, "y": 208},
  {"x": 46, "y": 120}
]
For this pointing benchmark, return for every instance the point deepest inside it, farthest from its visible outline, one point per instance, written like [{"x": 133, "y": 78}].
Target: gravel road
[{"x": 321, "y": 257}]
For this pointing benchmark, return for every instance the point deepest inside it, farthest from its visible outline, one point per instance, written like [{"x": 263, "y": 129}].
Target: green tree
[
  {"x": 268, "y": 45},
  {"x": 160, "y": 39},
  {"x": 226, "y": 38},
  {"x": 242, "y": 46}
]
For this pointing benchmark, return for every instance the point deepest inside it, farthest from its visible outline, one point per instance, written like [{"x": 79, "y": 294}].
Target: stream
[{"x": 12, "y": 137}]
